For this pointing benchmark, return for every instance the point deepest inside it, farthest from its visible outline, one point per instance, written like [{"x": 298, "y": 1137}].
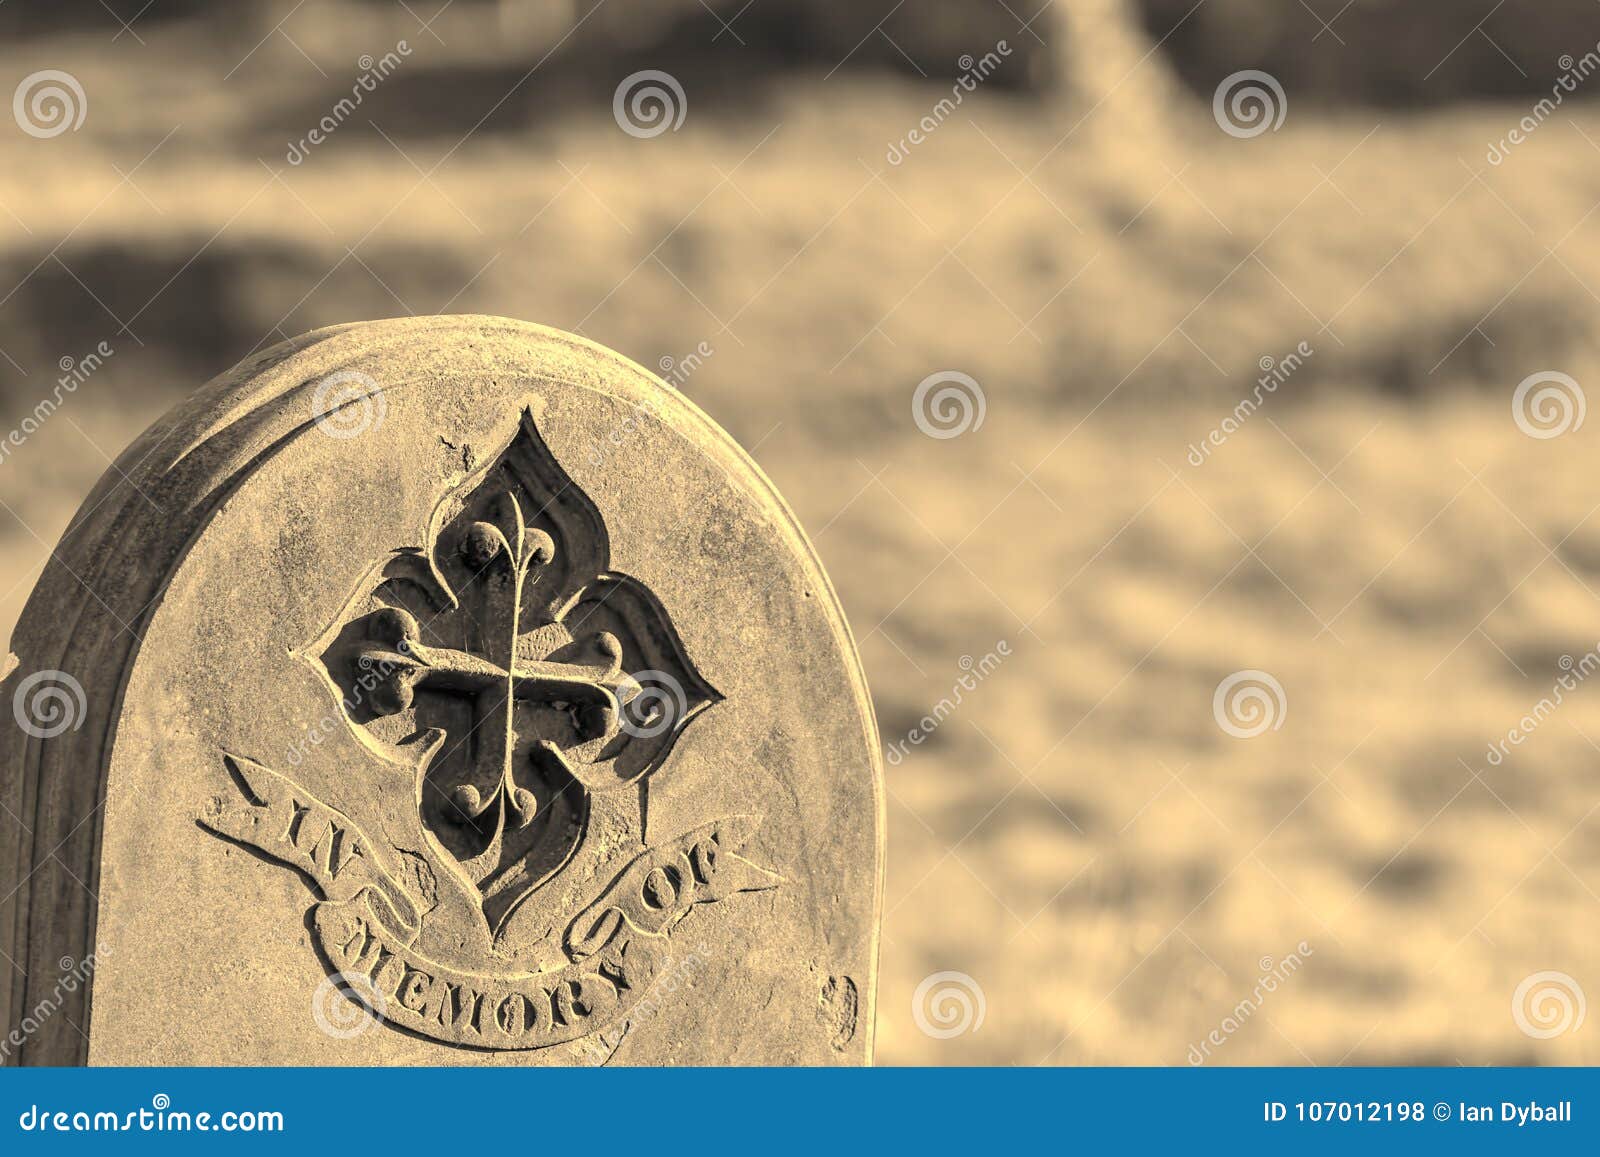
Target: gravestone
[{"x": 438, "y": 691}]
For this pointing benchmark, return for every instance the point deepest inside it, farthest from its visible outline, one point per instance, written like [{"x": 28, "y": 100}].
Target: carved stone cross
[{"x": 489, "y": 647}]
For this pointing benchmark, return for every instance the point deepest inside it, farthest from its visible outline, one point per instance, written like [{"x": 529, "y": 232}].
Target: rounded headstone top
[{"x": 458, "y": 693}]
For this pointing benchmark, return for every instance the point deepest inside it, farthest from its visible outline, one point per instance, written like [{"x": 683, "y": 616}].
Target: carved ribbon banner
[{"x": 370, "y": 914}]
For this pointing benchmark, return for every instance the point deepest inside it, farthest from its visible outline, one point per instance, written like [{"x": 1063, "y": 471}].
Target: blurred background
[{"x": 1190, "y": 415}]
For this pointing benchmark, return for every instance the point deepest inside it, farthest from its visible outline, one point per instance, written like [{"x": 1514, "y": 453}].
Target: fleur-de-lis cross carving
[{"x": 528, "y": 675}]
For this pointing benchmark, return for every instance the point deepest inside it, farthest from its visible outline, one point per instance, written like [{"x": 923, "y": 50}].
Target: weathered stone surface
[{"x": 454, "y": 667}]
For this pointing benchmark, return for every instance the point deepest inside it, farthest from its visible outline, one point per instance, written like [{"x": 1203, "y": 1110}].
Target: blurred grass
[{"x": 1081, "y": 837}]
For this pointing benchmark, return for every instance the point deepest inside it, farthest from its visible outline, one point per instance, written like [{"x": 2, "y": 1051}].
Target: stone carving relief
[{"x": 505, "y": 684}]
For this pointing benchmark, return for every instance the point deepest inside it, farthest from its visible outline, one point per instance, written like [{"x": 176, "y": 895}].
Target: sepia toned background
[{"x": 1190, "y": 682}]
